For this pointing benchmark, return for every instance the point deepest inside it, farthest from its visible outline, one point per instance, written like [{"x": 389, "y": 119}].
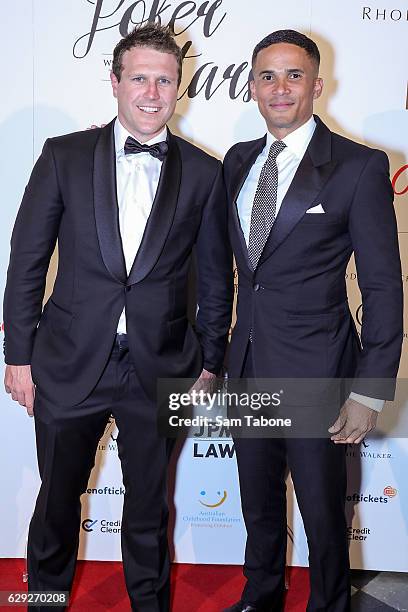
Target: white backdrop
[{"x": 56, "y": 57}]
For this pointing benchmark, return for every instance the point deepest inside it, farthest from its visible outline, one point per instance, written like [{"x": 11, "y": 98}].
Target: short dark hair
[
  {"x": 151, "y": 36},
  {"x": 293, "y": 38}
]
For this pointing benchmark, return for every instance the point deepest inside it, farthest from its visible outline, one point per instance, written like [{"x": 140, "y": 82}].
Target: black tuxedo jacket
[
  {"x": 71, "y": 197},
  {"x": 295, "y": 301}
]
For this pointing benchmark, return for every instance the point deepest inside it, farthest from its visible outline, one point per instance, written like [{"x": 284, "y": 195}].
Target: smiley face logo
[{"x": 222, "y": 497}]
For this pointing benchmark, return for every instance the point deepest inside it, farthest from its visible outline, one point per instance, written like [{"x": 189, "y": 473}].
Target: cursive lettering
[
  {"x": 204, "y": 80},
  {"x": 396, "y": 177},
  {"x": 208, "y": 78},
  {"x": 137, "y": 13}
]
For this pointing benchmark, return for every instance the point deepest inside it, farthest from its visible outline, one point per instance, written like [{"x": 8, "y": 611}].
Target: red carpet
[{"x": 100, "y": 586}]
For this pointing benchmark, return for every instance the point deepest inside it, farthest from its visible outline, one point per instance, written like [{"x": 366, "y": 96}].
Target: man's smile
[{"x": 149, "y": 109}]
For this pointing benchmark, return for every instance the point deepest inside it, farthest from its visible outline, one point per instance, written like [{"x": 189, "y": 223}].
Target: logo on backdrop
[
  {"x": 106, "y": 491},
  {"x": 108, "y": 442},
  {"x": 364, "y": 451},
  {"x": 221, "y": 499},
  {"x": 212, "y": 516},
  {"x": 102, "y": 525},
  {"x": 369, "y": 498},
  {"x": 206, "y": 448},
  {"x": 359, "y": 534},
  {"x": 208, "y": 78},
  {"x": 400, "y": 181},
  {"x": 359, "y": 315},
  {"x": 372, "y": 13},
  {"x": 88, "y": 525}
]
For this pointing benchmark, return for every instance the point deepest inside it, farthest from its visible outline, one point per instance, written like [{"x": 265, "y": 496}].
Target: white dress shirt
[
  {"x": 287, "y": 162},
  {"x": 137, "y": 178}
]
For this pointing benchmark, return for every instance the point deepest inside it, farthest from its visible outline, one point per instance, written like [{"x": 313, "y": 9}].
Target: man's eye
[
  {"x": 295, "y": 75},
  {"x": 164, "y": 81},
  {"x": 267, "y": 77},
  {"x": 138, "y": 79}
]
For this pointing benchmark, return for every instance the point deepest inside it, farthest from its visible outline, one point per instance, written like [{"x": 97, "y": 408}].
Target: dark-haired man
[
  {"x": 302, "y": 199},
  {"x": 127, "y": 204}
]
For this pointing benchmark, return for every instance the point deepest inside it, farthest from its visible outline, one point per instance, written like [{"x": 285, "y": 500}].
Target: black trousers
[
  {"x": 67, "y": 439},
  {"x": 318, "y": 469}
]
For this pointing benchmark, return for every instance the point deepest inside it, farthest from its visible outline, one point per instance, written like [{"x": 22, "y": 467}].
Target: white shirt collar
[
  {"x": 121, "y": 134},
  {"x": 298, "y": 140}
]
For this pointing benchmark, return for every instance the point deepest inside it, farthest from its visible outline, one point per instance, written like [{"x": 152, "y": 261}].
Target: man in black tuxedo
[
  {"x": 301, "y": 201},
  {"x": 127, "y": 204}
]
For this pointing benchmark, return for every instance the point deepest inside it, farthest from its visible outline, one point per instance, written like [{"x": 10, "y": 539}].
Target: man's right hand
[{"x": 18, "y": 382}]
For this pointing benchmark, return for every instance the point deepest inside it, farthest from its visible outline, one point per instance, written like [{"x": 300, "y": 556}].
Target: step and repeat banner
[{"x": 56, "y": 61}]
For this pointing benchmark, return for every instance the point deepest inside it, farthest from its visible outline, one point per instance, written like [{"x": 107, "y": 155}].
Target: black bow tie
[{"x": 158, "y": 150}]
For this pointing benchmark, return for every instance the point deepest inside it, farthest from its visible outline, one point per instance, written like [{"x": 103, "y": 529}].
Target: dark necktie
[
  {"x": 158, "y": 150},
  {"x": 264, "y": 207}
]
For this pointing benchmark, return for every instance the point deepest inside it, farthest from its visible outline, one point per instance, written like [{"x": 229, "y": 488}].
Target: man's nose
[
  {"x": 282, "y": 86},
  {"x": 152, "y": 91}
]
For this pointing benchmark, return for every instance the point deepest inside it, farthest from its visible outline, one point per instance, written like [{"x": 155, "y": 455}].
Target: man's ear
[
  {"x": 253, "y": 90},
  {"x": 114, "y": 82},
  {"x": 318, "y": 88}
]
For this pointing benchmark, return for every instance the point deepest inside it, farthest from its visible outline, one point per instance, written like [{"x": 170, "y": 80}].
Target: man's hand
[
  {"x": 94, "y": 127},
  {"x": 18, "y": 382},
  {"x": 354, "y": 422},
  {"x": 205, "y": 382}
]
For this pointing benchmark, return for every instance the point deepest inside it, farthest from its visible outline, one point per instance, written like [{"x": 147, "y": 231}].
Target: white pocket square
[{"x": 316, "y": 209}]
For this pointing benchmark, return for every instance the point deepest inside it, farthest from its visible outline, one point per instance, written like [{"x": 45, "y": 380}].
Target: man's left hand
[
  {"x": 205, "y": 382},
  {"x": 354, "y": 422}
]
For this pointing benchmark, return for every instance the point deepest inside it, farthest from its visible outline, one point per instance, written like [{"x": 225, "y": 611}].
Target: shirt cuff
[{"x": 371, "y": 402}]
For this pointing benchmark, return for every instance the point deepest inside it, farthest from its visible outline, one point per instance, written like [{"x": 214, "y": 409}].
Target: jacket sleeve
[
  {"x": 214, "y": 277},
  {"x": 374, "y": 235},
  {"x": 32, "y": 244}
]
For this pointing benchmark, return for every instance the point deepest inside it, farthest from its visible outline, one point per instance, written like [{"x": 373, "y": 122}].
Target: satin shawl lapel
[
  {"x": 311, "y": 175},
  {"x": 106, "y": 204},
  {"x": 161, "y": 216},
  {"x": 246, "y": 160}
]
